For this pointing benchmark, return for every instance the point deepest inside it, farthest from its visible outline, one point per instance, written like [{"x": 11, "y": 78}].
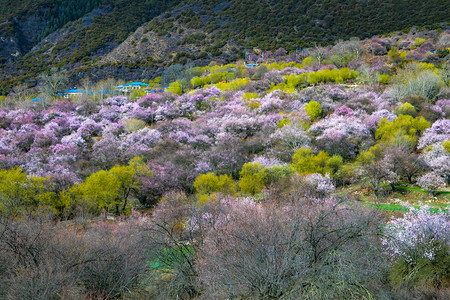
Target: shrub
[
  {"x": 133, "y": 125},
  {"x": 326, "y": 75},
  {"x": 425, "y": 84},
  {"x": 313, "y": 109},
  {"x": 384, "y": 78},
  {"x": 406, "y": 109},
  {"x": 419, "y": 41},
  {"x": 279, "y": 171}
]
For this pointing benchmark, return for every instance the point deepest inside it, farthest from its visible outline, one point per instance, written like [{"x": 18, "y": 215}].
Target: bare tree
[
  {"x": 52, "y": 83},
  {"x": 309, "y": 250},
  {"x": 41, "y": 259}
]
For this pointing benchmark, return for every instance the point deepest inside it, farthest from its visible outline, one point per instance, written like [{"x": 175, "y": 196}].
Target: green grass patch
[
  {"x": 398, "y": 207},
  {"x": 406, "y": 188}
]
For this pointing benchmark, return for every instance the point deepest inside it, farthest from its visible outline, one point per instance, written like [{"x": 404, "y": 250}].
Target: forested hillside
[
  {"x": 86, "y": 37},
  {"x": 294, "y": 24},
  {"x": 27, "y": 22}
]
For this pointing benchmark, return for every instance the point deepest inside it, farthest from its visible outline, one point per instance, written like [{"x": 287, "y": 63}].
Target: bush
[
  {"x": 419, "y": 41},
  {"x": 208, "y": 184},
  {"x": 384, "y": 78},
  {"x": 425, "y": 84},
  {"x": 133, "y": 125},
  {"x": 51, "y": 261},
  {"x": 406, "y": 109},
  {"x": 338, "y": 76},
  {"x": 313, "y": 109}
]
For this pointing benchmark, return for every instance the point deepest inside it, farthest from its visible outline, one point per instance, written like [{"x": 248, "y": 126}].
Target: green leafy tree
[
  {"x": 334, "y": 164},
  {"x": 253, "y": 178},
  {"x": 305, "y": 162},
  {"x": 12, "y": 191},
  {"x": 366, "y": 157},
  {"x": 279, "y": 171},
  {"x": 208, "y": 185},
  {"x": 99, "y": 191},
  {"x": 402, "y": 131},
  {"x": 106, "y": 189}
]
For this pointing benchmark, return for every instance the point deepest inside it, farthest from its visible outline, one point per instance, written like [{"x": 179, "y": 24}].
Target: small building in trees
[
  {"x": 75, "y": 92},
  {"x": 128, "y": 87}
]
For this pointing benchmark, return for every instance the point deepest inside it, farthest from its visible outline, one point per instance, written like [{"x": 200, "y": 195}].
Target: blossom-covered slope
[{"x": 256, "y": 181}]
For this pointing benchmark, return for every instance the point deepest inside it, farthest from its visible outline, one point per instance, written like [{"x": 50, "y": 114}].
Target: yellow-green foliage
[
  {"x": 338, "y": 76},
  {"x": 308, "y": 61},
  {"x": 282, "y": 87},
  {"x": 396, "y": 56},
  {"x": 137, "y": 93},
  {"x": 334, "y": 164},
  {"x": 305, "y": 162},
  {"x": 249, "y": 96},
  {"x": 249, "y": 100},
  {"x": 425, "y": 66},
  {"x": 212, "y": 79},
  {"x": 253, "y": 178},
  {"x": 402, "y": 131},
  {"x": 100, "y": 190},
  {"x": 283, "y": 122},
  {"x": 106, "y": 189},
  {"x": 446, "y": 145},
  {"x": 419, "y": 41},
  {"x": 294, "y": 80},
  {"x": 176, "y": 88},
  {"x": 233, "y": 85},
  {"x": 367, "y": 157},
  {"x": 384, "y": 78},
  {"x": 279, "y": 171},
  {"x": 209, "y": 184},
  {"x": 12, "y": 190},
  {"x": 406, "y": 109},
  {"x": 19, "y": 192},
  {"x": 313, "y": 109}
]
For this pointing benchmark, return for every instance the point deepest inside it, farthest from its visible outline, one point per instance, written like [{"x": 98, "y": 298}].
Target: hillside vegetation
[{"x": 322, "y": 174}]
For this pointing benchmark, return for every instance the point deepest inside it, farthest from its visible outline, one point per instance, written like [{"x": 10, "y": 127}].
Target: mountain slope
[
  {"x": 293, "y": 24},
  {"x": 110, "y": 34},
  {"x": 24, "y": 23}
]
